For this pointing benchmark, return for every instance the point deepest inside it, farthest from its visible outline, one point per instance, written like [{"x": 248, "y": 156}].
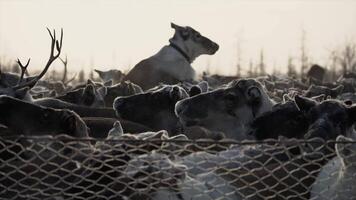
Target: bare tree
[
  {"x": 262, "y": 65},
  {"x": 347, "y": 57},
  {"x": 333, "y": 65},
  {"x": 250, "y": 69},
  {"x": 91, "y": 74},
  {"x": 81, "y": 76},
  {"x": 53, "y": 75},
  {"x": 65, "y": 70},
  {"x": 303, "y": 54},
  {"x": 238, "y": 58},
  {"x": 208, "y": 66},
  {"x": 15, "y": 69},
  {"x": 291, "y": 71}
]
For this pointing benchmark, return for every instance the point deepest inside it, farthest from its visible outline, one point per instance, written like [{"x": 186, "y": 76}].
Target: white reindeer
[{"x": 172, "y": 64}]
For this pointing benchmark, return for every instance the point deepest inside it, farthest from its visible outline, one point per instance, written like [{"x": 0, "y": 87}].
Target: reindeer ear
[
  {"x": 89, "y": 89},
  {"x": 88, "y": 95},
  {"x": 195, "y": 90},
  {"x": 303, "y": 103},
  {"x": 116, "y": 130},
  {"x": 176, "y": 94},
  {"x": 175, "y": 26},
  {"x": 204, "y": 86},
  {"x": 102, "y": 91},
  {"x": 253, "y": 94},
  {"x": 98, "y": 71},
  {"x": 137, "y": 89},
  {"x": 182, "y": 31},
  {"x": 344, "y": 148}
]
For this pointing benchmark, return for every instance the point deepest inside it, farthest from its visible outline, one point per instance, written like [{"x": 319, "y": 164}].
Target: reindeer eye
[{"x": 197, "y": 35}]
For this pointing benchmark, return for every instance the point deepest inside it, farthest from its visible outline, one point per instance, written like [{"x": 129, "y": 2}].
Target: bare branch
[{"x": 52, "y": 57}]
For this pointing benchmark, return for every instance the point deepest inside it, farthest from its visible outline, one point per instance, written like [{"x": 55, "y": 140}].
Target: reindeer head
[
  {"x": 155, "y": 108},
  {"x": 192, "y": 42},
  {"x": 229, "y": 109},
  {"x": 27, "y": 118}
]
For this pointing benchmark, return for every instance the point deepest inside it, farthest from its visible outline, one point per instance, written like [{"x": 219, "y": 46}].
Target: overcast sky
[{"x": 108, "y": 34}]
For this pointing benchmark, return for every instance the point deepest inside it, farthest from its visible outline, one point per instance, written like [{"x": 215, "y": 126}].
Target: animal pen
[
  {"x": 61, "y": 167},
  {"x": 274, "y": 125}
]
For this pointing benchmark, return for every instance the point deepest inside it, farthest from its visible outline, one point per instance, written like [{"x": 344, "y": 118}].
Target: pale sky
[{"x": 117, "y": 34}]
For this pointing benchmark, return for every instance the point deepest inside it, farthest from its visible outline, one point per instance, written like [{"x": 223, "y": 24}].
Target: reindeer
[{"x": 172, "y": 64}]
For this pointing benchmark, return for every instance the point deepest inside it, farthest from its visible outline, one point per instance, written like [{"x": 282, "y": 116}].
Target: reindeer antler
[
  {"x": 23, "y": 69},
  {"x": 52, "y": 57}
]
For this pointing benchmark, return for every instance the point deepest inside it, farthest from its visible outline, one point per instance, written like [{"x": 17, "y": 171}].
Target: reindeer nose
[{"x": 215, "y": 47}]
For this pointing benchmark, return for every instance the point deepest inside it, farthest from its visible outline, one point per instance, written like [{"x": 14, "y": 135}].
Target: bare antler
[
  {"x": 65, "y": 62},
  {"x": 52, "y": 57},
  {"x": 23, "y": 69}
]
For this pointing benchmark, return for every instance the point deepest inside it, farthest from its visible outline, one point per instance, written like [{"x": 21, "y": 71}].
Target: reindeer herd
[{"x": 160, "y": 132}]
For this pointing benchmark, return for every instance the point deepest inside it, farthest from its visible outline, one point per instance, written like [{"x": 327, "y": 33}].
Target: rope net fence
[{"x": 61, "y": 167}]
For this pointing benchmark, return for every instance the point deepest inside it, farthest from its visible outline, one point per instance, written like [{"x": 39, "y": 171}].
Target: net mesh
[{"x": 62, "y": 167}]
